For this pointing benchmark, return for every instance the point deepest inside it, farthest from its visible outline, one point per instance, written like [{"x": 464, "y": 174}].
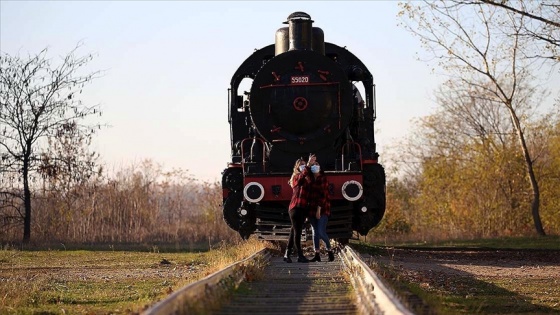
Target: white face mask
[
  {"x": 315, "y": 169},
  {"x": 301, "y": 168}
]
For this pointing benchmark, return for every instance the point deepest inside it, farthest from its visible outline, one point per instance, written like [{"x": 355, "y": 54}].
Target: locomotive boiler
[{"x": 304, "y": 98}]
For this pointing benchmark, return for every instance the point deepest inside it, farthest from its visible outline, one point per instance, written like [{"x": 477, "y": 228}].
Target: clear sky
[{"x": 168, "y": 65}]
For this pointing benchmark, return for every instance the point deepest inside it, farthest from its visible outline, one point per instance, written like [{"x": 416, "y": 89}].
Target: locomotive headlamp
[
  {"x": 352, "y": 190},
  {"x": 364, "y": 209},
  {"x": 253, "y": 192}
]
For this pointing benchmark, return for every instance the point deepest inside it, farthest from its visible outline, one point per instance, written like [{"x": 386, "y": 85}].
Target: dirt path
[{"x": 488, "y": 281}]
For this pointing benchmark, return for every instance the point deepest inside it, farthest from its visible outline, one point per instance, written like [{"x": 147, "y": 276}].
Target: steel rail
[
  {"x": 374, "y": 297},
  {"x": 207, "y": 295},
  {"x": 201, "y": 296}
]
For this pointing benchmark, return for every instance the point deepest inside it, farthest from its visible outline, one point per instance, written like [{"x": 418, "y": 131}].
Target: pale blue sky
[{"x": 168, "y": 66}]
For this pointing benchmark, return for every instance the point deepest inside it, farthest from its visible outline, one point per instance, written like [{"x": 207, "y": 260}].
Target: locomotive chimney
[
  {"x": 299, "y": 35},
  {"x": 300, "y": 25}
]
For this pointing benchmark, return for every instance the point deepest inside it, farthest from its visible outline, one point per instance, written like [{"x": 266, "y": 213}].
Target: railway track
[{"x": 268, "y": 285}]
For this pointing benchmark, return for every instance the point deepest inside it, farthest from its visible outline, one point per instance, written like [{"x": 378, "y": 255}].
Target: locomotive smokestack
[
  {"x": 300, "y": 31},
  {"x": 299, "y": 35}
]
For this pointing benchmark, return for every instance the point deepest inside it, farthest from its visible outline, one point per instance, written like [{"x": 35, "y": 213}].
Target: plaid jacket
[
  {"x": 319, "y": 196},
  {"x": 300, "y": 186}
]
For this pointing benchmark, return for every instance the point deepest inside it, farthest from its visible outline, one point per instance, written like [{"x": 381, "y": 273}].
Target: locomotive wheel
[
  {"x": 232, "y": 179},
  {"x": 245, "y": 233},
  {"x": 231, "y": 214},
  {"x": 364, "y": 223},
  {"x": 374, "y": 193},
  {"x": 247, "y": 222}
]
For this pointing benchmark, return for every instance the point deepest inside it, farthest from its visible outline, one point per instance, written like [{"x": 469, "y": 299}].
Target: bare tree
[
  {"x": 482, "y": 46},
  {"x": 38, "y": 104},
  {"x": 544, "y": 25}
]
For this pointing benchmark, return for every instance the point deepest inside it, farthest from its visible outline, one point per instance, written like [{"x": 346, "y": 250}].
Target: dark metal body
[{"x": 302, "y": 100}]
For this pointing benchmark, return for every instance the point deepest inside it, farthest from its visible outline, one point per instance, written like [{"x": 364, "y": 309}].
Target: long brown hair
[{"x": 295, "y": 170}]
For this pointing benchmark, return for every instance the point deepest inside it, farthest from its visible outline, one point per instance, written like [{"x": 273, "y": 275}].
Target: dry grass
[
  {"x": 103, "y": 282},
  {"x": 446, "y": 279}
]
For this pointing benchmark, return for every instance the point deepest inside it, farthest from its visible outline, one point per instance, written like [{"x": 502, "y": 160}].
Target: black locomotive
[{"x": 303, "y": 99}]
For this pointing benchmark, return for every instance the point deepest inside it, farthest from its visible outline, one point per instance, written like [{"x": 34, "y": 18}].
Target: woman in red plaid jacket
[
  {"x": 298, "y": 209},
  {"x": 319, "y": 210}
]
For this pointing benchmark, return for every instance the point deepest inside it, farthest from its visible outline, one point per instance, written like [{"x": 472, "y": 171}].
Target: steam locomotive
[{"x": 303, "y": 99}]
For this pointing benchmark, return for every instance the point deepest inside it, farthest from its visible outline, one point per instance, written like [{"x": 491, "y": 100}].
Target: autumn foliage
[
  {"x": 137, "y": 204},
  {"x": 477, "y": 190}
]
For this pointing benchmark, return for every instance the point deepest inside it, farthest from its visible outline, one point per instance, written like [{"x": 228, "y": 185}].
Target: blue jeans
[{"x": 320, "y": 231}]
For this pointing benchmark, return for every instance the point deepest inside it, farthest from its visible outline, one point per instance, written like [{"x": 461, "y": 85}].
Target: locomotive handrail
[
  {"x": 359, "y": 154},
  {"x": 229, "y": 105},
  {"x": 251, "y": 153}
]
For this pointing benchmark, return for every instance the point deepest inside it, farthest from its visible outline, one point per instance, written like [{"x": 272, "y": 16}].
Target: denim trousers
[{"x": 320, "y": 231}]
